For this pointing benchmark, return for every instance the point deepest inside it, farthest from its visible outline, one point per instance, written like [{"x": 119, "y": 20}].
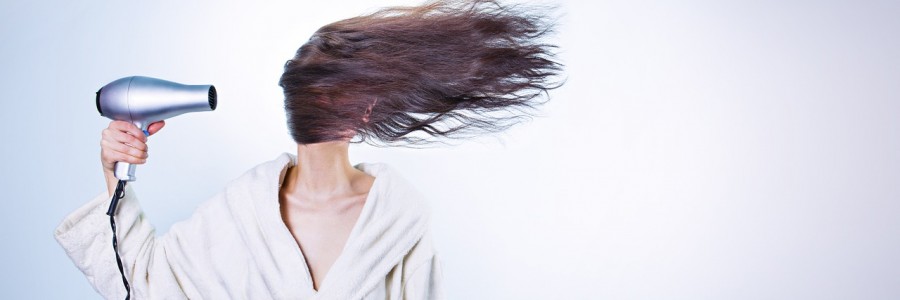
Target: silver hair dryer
[{"x": 144, "y": 100}]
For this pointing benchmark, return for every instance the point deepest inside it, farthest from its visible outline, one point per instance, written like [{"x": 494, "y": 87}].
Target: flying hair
[{"x": 422, "y": 74}]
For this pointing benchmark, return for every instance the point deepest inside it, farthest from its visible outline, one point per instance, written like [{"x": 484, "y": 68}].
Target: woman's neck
[{"x": 322, "y": 172}]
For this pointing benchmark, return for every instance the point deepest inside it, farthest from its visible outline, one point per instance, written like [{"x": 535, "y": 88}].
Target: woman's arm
[{"x": 87, "y": 239}]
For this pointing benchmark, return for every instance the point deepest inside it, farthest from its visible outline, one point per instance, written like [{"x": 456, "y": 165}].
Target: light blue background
[{"x": 700, "y": 149}]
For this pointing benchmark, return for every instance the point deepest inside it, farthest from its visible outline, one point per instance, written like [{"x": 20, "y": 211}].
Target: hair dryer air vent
[{"x": 212, "y": 98}]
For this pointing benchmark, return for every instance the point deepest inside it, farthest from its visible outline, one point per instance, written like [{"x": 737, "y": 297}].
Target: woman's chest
[{"x": 321, "y": 234}]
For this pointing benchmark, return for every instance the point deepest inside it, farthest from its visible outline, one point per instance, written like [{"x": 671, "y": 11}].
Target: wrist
[{"x": 111, "y": 181}]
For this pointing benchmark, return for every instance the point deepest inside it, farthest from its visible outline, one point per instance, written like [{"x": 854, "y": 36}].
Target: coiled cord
[{"x": 113, "y": 204}]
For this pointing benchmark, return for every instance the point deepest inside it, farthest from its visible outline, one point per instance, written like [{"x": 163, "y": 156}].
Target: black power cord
[{"x": 113, "y": 204}]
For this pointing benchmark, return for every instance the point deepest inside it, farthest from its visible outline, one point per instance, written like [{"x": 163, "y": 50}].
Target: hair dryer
[{"x": 144, "y": 100}]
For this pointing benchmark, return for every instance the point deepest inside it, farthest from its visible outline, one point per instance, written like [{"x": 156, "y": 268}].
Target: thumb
[{"x": 155, "y": 127}]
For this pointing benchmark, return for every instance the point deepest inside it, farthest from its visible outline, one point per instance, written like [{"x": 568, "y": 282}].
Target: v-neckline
[{"x": 285, "y": 231}]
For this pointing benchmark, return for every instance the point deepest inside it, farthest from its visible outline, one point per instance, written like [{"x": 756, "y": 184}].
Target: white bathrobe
[{"x": 236, "y": 246}]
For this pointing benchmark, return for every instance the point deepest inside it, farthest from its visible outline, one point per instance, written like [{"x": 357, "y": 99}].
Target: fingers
[
  {"x": 155, "y": 127},
  {"x": 123, "y": 126},
  {"x": 112, "y": 156},
  {"x": 116, "y": 136},
  {"x": 123, "y": 148}
]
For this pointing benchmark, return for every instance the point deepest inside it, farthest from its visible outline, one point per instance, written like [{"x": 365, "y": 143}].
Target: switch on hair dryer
[{"x": 144, "y": 100}]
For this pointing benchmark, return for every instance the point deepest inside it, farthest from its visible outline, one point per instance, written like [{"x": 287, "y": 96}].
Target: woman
[{"x": 311, "y": 225}]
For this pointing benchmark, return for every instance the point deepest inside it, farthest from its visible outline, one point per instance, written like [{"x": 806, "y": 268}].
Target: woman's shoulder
[
  {"x": 260, "y": 182},
  {"x": 263, "y": 174},
  {"x": 394, "y": 188}
]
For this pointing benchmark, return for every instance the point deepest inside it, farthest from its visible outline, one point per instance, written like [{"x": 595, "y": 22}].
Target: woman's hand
[{"x": 122, "y": 141}]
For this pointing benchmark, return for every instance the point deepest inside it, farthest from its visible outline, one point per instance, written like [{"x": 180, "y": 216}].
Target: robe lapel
[{"x": 280, "y": 246}]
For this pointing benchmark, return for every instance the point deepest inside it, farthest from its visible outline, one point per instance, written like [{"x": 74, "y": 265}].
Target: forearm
[{"x": 86, "y": 236}]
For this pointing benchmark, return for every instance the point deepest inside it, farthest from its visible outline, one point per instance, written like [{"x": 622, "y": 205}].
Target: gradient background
[{"x": 700, "y": 149}]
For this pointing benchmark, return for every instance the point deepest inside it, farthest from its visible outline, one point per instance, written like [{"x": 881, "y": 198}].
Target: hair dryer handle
[{"x": 124, "y": 170}]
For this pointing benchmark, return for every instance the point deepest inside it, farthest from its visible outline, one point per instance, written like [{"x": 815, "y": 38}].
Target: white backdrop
[{"x": 699, "y": 150}]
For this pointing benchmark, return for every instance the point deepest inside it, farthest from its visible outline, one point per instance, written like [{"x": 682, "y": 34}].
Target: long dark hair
[{"x": 411, "y": 75}]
